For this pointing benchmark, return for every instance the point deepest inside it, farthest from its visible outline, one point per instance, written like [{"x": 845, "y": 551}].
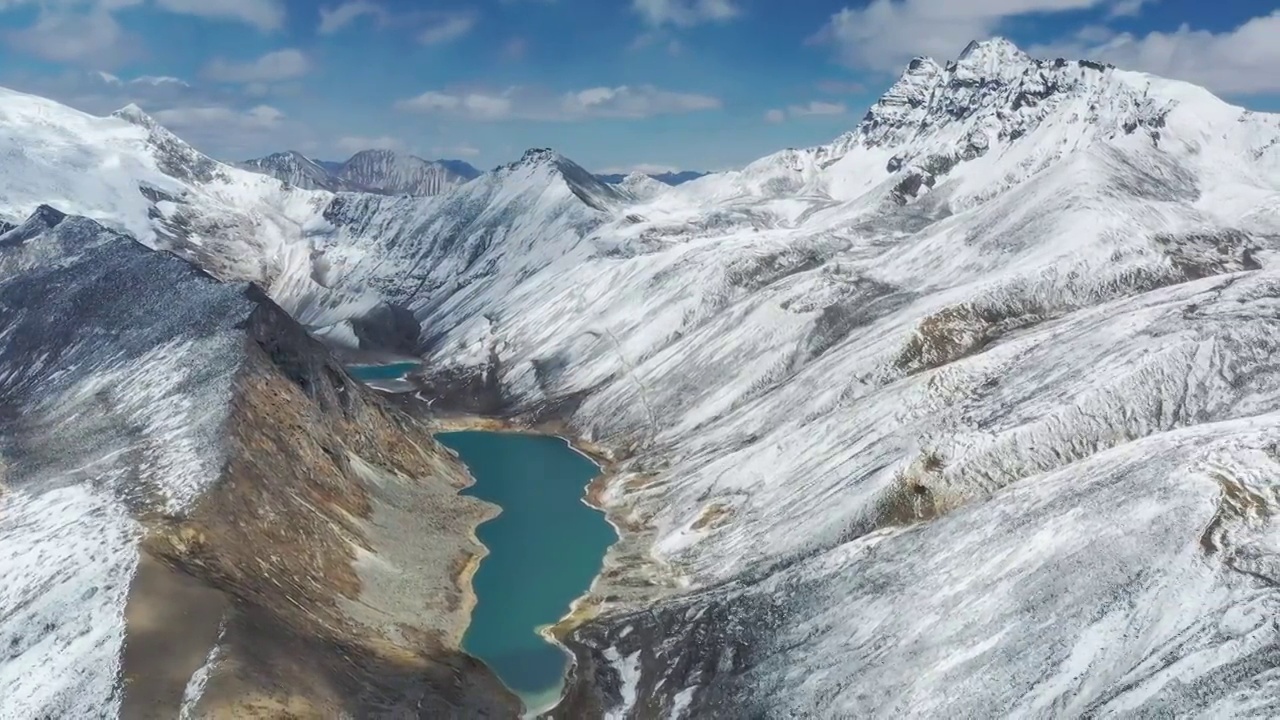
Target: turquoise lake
[
  {"x": 381, "y": 372},
  {"x": 544, "y": 550}
]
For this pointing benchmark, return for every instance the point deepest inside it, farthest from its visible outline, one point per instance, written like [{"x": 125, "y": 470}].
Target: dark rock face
[
  {"x": 388, "y": 327},
  {"x": 723, "y": 637},
  {"x": 1002, "y": 93},
  {"x": 261, "y": 479}
]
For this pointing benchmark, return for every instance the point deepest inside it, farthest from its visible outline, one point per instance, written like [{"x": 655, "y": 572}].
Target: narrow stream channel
[{"x": 544, "y": 550}]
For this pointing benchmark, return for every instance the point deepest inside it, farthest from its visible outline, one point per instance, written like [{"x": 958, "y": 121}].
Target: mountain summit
[
  {"x": 299, "y": 171},
  {"x": 379, "y": 171}
]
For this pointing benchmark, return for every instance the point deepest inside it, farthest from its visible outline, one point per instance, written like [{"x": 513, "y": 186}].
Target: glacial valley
[{"x": 972, "y": 412}]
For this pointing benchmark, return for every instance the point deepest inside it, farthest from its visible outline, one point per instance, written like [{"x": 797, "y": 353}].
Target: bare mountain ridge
[{"x": 385, "y": 172}]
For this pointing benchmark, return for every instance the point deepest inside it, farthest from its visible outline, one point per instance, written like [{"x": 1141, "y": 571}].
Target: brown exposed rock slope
[{"x": 330, "y": 559}]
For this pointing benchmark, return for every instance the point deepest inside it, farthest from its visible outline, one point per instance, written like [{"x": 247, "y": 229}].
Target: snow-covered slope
[
  {"x": 134, "y": 176},
  {"x": 115, "y": 374},
  {"x": 483, "y": 239},
  {"x": 643, "y": 187},
  {"x": 938, "y": 368}
]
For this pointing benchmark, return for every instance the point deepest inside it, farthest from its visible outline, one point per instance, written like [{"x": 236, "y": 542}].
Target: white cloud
[
  {"x": 685, "y": 13},
  {"x": 94, "y": 39},
  {"x": 455, "y": 151},
  {"x": 254, "y": 118},
  {"x": 623, "y": 102},
  {"x": 473, "y": 105},
  {"x": 634, "y": 102},
  {"x": 86, "y": 32},
  {"x": 102, "y": 92},
  {"x": 67, "y": 6},
  {"x": 352, "y": 144},
  {"x": 334, "y": 19},
  {"x": 159, "y": 81},
  {"x": 272, "y": 67},
  {"x": 886, "y": 34},
  {"x": 645, "y": 168},
  {"x": 232, "y": 133},
  {"x": 446, "y": 28},
  {"x": 810, "y": 109},
  {"x": 262, "y": 14},
  {"x": 1128, "y": 8},
  {"x": 1239, "y": 61}
]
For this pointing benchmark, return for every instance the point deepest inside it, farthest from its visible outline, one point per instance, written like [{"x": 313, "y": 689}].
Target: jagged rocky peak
[
  {"x": 1000, "y": 90},
  {"x": 42, "y": 220},
  {"x": 534, "y": 157},
  {"x": 992, "y": 58},
  {"x": 590, "y": 189},
  {"x": 47, "y": 216}
]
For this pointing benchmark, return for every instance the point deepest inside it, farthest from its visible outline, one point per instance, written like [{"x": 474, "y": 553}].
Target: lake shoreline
[{"x": 580, "y": 607}]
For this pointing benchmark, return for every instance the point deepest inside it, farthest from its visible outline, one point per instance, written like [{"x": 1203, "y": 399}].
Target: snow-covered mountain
[
  {"x": 643, "y": 187},
  {"x": 393, "y": 173},
  {"x": 300, "y": 171},
  {"x": 191, "y": 486},
  {"x": 375, "y": 171},
  {"x": 666, "y": 178},
  {"x": 971, "y": 412},
  {"x": 903, "y": 414}
]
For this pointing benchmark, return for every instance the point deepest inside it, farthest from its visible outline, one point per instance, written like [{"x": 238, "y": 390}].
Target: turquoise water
[
  {"x": 544, "y": 550},
  {"x": 393, "y": 371}
]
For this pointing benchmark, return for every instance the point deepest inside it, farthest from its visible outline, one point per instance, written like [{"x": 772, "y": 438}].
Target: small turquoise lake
[
  {"x": 394, "y": 371},
  {"x": 544, "y": 550}
]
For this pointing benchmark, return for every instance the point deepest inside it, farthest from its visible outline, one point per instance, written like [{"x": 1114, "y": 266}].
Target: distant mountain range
[
  {"x": 385, "y": 172},
  {"x": 670, "y": 178}
]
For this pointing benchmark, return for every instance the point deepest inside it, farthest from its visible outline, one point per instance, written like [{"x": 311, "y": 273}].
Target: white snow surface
[
  {"x": 67, "y": 557},
  {"x": 1016, "y": 285},
  {"x": 116, "y": 368}
]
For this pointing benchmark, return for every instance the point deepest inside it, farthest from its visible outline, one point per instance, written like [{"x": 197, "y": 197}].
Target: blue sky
[{"x": 613, "y": 84}]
